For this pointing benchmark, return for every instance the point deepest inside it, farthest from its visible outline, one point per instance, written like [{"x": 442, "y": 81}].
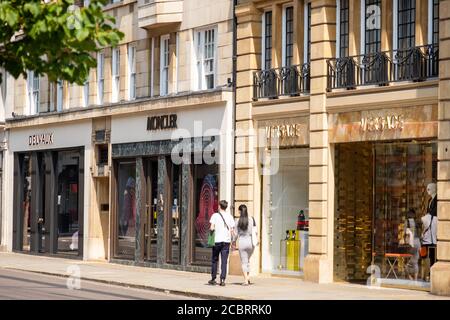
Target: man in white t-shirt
[{"x": 223, "y": 224}]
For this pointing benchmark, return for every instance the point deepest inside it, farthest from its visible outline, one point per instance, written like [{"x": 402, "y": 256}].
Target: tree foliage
[{"x": 57, "y": 38}]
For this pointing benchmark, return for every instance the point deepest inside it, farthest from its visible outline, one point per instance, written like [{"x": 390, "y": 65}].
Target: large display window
[
  {"x": 206, "y": 200},
  {"x": 382, "y": 196},
  {"x": 285, "y": 212}
]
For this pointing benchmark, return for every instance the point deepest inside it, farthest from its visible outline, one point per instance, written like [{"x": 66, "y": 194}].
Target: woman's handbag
[
  {"x": 211, "y": 239},
  {"x": 255, "y": 239},
  {"x": 423, "y": 251}
]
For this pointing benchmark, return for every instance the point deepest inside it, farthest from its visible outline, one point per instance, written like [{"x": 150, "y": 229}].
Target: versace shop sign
[
  {"x": 162, "y": 122},
  {"x": 384, "y": 124},
  {"x": 285, "y": 132},
  {"x": 40, "y": 139}
]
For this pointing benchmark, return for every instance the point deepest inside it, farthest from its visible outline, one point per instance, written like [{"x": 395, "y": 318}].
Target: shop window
[
  {"x": 381, "y": 199},
  {"x": 285, "y": 214},
  {"x": 126, "y": 210},
  {"x": 206, "y": 199},
  {"x": 26, "y": 204}
]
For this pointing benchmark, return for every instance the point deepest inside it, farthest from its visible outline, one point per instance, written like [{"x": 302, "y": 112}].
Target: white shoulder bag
[{"x": 255, "y": 239}]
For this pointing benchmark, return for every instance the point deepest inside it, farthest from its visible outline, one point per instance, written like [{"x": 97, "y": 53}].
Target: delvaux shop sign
[
  {"x": 40, "y": 139},
  {"x": 163, "y": 122},
  {"x": 286, "y": 132},
  {"x": 384, "y": 124}
]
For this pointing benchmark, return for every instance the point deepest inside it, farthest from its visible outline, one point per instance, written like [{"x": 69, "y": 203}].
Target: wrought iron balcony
[
  {"x": 286, "y": 81},
  {"x": 382, "y": 68}
]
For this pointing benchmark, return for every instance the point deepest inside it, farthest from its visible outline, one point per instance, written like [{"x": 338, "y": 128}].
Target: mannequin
[
  {"x": 432, "y": 204},
  {"x": 429, "y": 223}
]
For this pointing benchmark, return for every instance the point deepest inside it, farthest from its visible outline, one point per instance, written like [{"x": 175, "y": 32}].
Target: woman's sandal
[{"x": 245, "y": 284}]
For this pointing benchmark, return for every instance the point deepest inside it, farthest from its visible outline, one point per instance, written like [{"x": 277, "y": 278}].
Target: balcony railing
[
  {"x": 286, "y": 81},
  {"x": 382, "y": 68}
]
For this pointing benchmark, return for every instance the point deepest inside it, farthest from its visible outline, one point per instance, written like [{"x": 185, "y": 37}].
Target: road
[{"x": 19, "y": 285}]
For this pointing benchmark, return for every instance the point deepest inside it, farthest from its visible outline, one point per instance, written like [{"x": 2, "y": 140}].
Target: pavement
[
  {"x": 23, "y": 285},
  {"x": 194, "y": 285}
]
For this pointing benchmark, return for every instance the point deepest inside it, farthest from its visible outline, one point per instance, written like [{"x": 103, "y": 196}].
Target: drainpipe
[{"x": 233, "y": 117}]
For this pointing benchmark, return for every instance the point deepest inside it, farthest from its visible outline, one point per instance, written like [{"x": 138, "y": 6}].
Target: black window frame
[
  {"x": 435, "y": 23},
  {"x": 344, "y": 20},
  {"x": 308, "y": 49},
  {"x": 289, "y": 36},
  {"x": 372, "y": 38},
  {"x": 406, "y": 24},
  {"x": 267, "y": 40}
]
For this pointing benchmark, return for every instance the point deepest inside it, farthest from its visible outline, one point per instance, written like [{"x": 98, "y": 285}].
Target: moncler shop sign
[
  {"x": 40, "y": 139},
  {"x": 162, "y": 122}
]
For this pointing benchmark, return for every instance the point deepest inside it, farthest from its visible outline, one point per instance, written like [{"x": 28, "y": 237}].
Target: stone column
[
  {"x": 163, "y": 179},
  {"x": 248, "y": 61},
  {"x": 440, "y": 272},
  {"x": 318, "y": 263}
]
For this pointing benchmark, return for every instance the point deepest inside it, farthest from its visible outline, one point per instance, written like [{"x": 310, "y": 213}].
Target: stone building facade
[{"x": 341, "y": 107}]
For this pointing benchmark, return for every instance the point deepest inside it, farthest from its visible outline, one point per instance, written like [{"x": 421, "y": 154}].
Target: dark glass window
[
  {"x": 309, "y": 33},
  {"x": 406, "y": 24},
  {"x": 289, "y": 35},
  {"x": 343, "y": 28},
  {"x": 372, "y": 26},
  {"x": 435, "y": 22},
  {"x": 268, "y": 41}
]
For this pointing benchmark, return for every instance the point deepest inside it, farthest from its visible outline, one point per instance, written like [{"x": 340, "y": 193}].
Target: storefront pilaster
[
  {"x": 163, "y": 177},
  {"x": 318, "y": 263},
  {"x": 187, "y": 186},
  {"x": 440, "y": 272}
]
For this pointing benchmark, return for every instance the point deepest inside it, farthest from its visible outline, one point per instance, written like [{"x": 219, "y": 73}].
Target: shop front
[
  {"x": 47, "y": 195},
  {"x": 169, "y": 174},
  {"x": 384, "y": 162},
  {"x": 284, "y": 158}
]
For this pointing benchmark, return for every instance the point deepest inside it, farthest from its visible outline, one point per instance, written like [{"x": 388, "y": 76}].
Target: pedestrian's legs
[
  {"x": 432, "y": 255},
  {"x": 215, "y": 259},
  {"x": 224, "y": 257}
]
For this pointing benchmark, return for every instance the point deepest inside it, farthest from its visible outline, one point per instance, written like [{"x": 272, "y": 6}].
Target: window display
[
  {"x": 206, "y": 200},
  {"x": 126, "y": 218},
  {"x": 384, "y": 191},
  {"x": 285, "y": 212}
]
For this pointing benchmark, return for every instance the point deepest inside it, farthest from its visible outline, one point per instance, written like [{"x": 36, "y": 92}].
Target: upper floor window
[
  {"x": 267, "y": 41},
  {"x": 33, "y": 83},
  {"x": 434, "y": 28},
  {"x": 406, "y": 26},
  {"x": 4, "y": 84},
  {"x": 115, "y": 66},
  {"x": 100, "y": 77},
  {"x": 371, "y": 32},
  {"x": 288, "y": 36},
  {"x": 206, "y": 58},
  {"x": 164, "y": 64},
  {"x": 132, "y": 72},
  {"x": 59, "y": 95},
  {"x": 86, "y": 93},
  {"x": 307, "y": 42},
  {"x": 343, "y": 28}
]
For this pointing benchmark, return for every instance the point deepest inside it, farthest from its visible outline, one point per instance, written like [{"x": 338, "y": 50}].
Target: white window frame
[
  {"x": 163, "y": 66},
  {"x": 33, "y": 93},
  {"x": 395, "y": 25},
  {"x": 131, "y": 72},
  {"x": 201, "y": 59},
  {"x": 115, "y": 74},
  {"x": 86, "y": 93},
  {"x": 59, "y": 95},
  {"x": 100, "y": 77},
  {"x": 152, "y": 69},
  {"x": 430, "y": 22},
  {"x": 177, "y": 51}
]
